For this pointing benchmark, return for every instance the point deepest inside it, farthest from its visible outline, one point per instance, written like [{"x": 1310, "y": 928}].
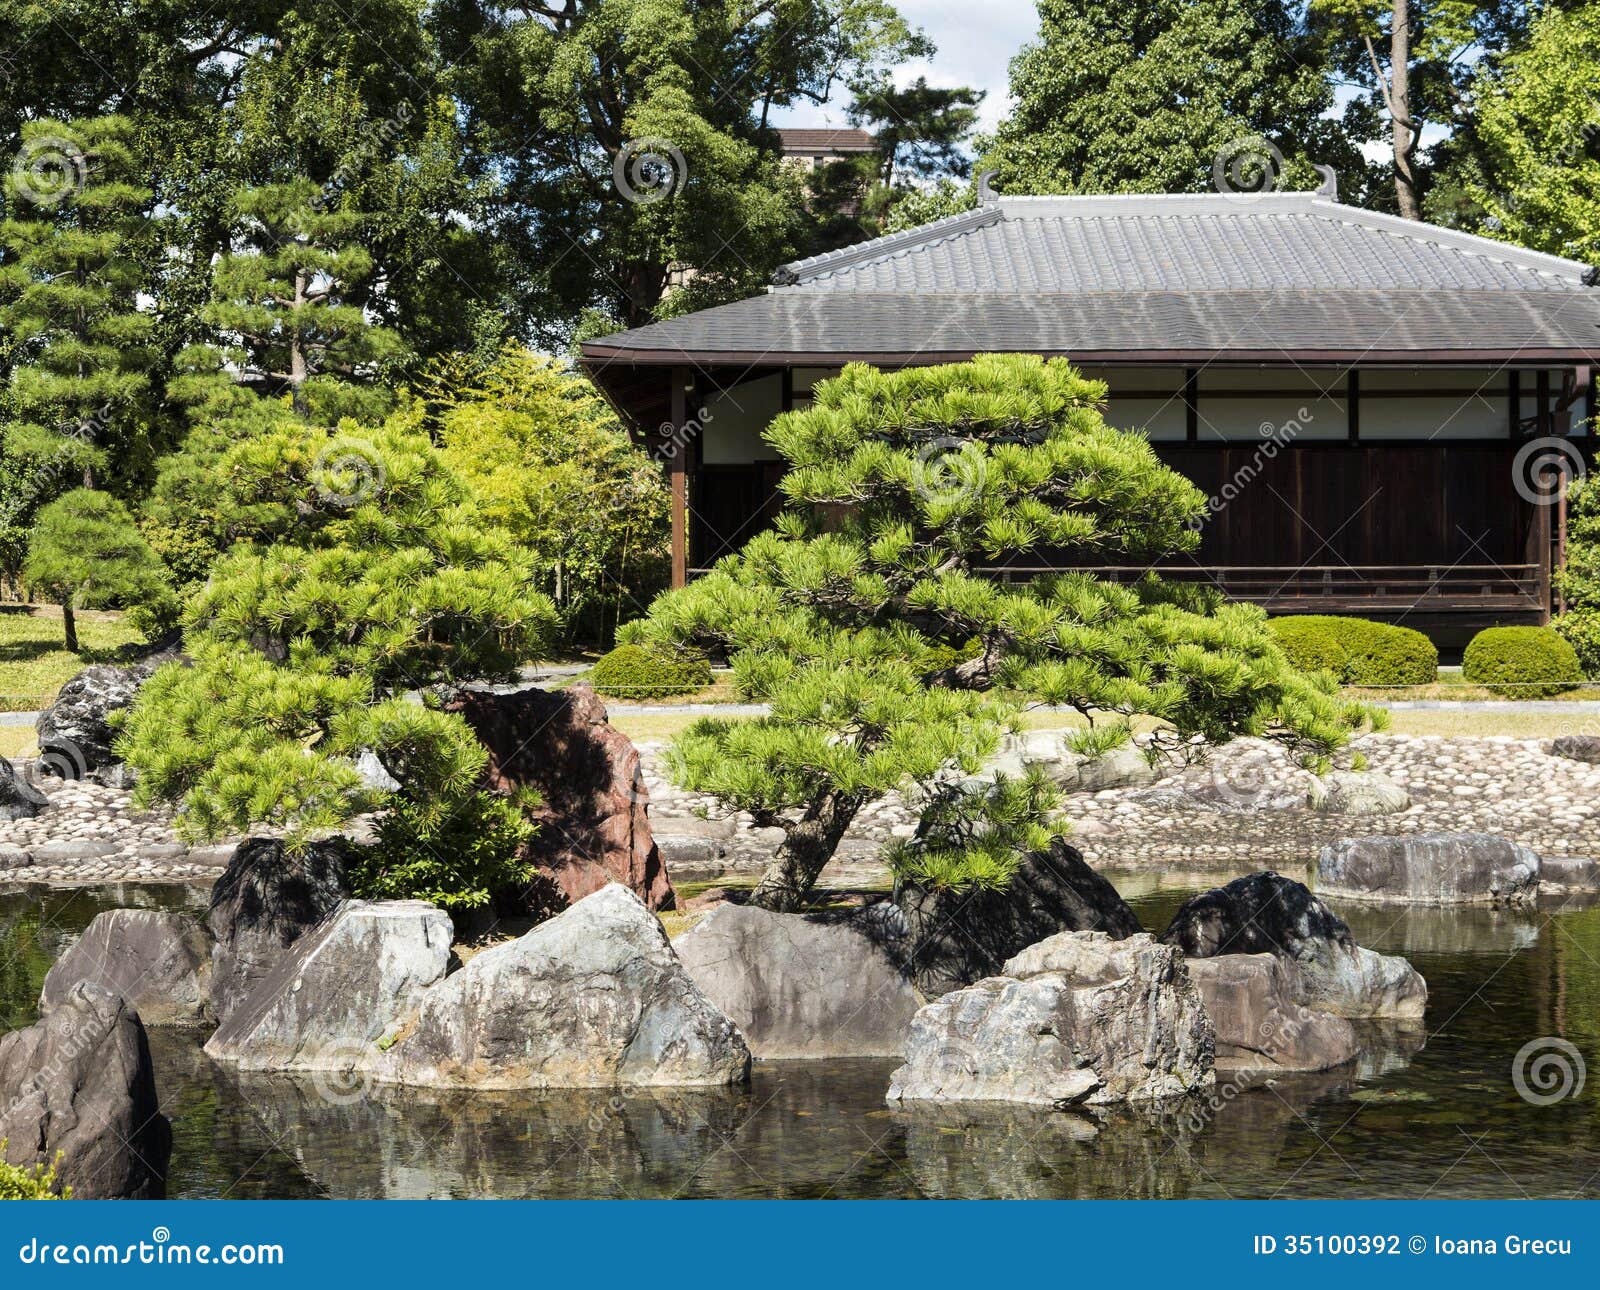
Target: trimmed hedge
[
  {"x": 1356, "y": 651},
  {"x": 633, "y": 672},
  {"x": 1521, "y": 662},
  {"x": 1580, "y": 628}
]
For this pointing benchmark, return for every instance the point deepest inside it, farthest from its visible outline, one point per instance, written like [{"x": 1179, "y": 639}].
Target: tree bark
[
  {"x": 70, "y": 626},
  {"x": 807, "y": 847},
  {"x": 1404, "y": 132}
]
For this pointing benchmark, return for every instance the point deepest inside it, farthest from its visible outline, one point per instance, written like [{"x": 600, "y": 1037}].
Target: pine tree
[
  {"x": 78, "y": 404},
  {"x": 892, "y": 663},
  {"x": 86, "y": 553}
]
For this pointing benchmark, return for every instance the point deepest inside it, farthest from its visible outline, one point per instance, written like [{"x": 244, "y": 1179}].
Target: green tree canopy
[{"x": 892, "y": 662}]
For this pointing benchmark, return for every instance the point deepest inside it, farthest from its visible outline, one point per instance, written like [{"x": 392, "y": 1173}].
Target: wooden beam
[
  {"x": 678, "y": 474},
  {"x": 1352, "y": 403},
  {"x": 1191, "y": 405}
]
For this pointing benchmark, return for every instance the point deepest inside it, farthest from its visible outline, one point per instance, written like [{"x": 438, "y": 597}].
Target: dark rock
[
  {"x": 592, "y": 998},
  {"x": 1266, "y": 913},
  {"x": 958, "y": 937},
  {"x": 595, "y": 816},
  {"x": 75, "y": 732},
  {"x": 264, "y": 901},
  {"x": 1252, "y": 1002},
  {"x": 159, "y": 962},
  {"x": 1430, "y": 869},
  {"x": 339, "y": 989},
  {"x": 1584, "y": 748},
  {"x": 79, "y": 1084},
  {"x": 806, "y": 985},
  {"x": 19, "y": 800}
]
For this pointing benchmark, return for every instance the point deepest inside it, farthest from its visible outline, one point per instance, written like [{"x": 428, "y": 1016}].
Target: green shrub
[
  {"x": 458, "y": 862},
  {"x": 1521, "y": 662},
  {"x": 1357, "y": 651},
  {"x": 1580, "y": 628},
  {"x": 634, "y": 672},
  {"x": 29, "y": 1182}
]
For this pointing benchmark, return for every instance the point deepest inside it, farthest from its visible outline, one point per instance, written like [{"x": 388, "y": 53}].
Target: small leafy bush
[
  {"x": 30, "y": 1182},
  {"x": 458, "y": 861},
  {"x": 1357, "y": 651},
  {"x": 1580, "y": 628},
  {"x": 634, "y": 672},
  {"x": 1521, "y": 662}
]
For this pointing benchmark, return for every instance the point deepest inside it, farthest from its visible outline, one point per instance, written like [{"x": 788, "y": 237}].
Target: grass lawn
[
  {"x": 33, "y": 662},
  {"x": 17, "y": 741}
]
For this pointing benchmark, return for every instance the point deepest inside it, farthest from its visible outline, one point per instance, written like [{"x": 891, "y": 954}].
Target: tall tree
[
  {"x": 920, "y": 129},
  {"x": 1144, "y": 98},
  {"x": 632, "y": 137}
]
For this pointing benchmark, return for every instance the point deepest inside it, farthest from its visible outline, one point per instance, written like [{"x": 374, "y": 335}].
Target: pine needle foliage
[
  {"x": 893, "y": 662},
  {"x": 363, "y": 578}
]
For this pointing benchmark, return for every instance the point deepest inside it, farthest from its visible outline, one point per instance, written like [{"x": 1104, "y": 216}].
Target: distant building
[{"x": 813, "y": 148}]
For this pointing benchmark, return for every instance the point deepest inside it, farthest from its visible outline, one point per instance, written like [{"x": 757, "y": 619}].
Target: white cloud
[{"x": 975, "y": 47}]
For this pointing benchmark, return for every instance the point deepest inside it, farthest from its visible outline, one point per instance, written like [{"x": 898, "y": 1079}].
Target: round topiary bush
[
  {"x": 633, "y": 672},
  {"x": 1521, "y": 662},
  {"x": 1357, "y": 651}
]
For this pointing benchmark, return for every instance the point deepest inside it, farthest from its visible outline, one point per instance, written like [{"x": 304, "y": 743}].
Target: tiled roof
[
  {"x": 823, "y": 141},
  {"x": 1212, "y": 273}
]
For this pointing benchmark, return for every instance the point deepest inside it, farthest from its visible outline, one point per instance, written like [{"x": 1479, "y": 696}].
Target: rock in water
[
  {"x": 594, "y": 997},
  {"x": 75, "y": 732},
  {"x": 159, "y": 962},
  {"x": 958, "y": 937},
  {"x": 806, "y": 985},
  {"x": 19, "y": 800},
  {"x": 1253, "y": 1001},
  {"x": 1345, "y": 792},
  {"x": 1078, "y": 1019},
  {"x": 1568, "y": 876},
  {"x": 79, "y": 1084},
  {"x": 1266, "y": 913},
  {"x": 339, "y": 989},
  {"x": 596, "y": 813},
  {"x": 266, "y": 900},
  {"x": 1430, "y": 869}
]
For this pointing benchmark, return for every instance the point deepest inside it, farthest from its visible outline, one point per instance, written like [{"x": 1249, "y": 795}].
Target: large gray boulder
[
  {"x": 19, "y": 800},
  {"x": 339, "y": 989},
  {"x": 1253, "y": 1001},
  {"x": 806, "y": 985},
  {"x": 1584, "y": 748},
  {"x": 159, "y": 962},
  {"x": 594, "y": 997},
  {"x": 1266, "y": 913},
  {"x": 1078, "y": 1019},
  {"x": 1348, "y": 792},
  {"x": 75, "y": 732},
  {"x": 1569, "y": 876},
  {"x": 1430, "y": 869},
  {"x": 959, "y": 937},
  {"x": 265, "y": 901},
  {"x": 79, "y": 1084}
]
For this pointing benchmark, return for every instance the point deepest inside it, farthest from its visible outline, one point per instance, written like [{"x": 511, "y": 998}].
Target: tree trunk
[
  {"x": 808, "y": 846},
  {"x": 297, "y": 354},
  {"x": 69, "y": 626},
  {"x": 1405, "y": 136}
]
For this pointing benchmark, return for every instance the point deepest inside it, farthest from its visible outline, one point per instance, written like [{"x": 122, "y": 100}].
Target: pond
[{"x": 1425, "y": 1115}]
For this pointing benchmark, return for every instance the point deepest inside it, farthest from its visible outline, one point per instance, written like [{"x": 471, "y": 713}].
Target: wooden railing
[{"x": 1343, "y": 588}]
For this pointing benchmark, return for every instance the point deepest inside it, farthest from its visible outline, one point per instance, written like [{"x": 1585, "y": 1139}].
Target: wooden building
[{"x": 1370, "y": 402}]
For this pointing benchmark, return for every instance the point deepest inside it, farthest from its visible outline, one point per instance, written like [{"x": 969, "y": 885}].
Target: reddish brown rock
[{"x": 594, "y": 824}]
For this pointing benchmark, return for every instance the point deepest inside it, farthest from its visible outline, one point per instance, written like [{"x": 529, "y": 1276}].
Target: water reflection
[{"x": 1422, "y": 1113}]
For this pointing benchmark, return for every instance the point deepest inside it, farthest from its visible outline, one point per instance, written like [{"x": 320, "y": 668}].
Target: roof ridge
[{"x": 880, "y": 247}]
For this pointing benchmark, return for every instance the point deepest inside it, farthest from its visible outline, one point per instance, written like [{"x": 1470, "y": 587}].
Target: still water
[{"x": 1426, "y": 1114}]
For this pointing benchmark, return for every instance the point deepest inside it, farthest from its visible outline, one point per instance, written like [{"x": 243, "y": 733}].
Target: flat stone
[
  {"x": 77, "y": 849},
  {"x": 1430, "y": 869},
  {"x": 1569, "y": 876},
  {"x": 806, "y": 985}
]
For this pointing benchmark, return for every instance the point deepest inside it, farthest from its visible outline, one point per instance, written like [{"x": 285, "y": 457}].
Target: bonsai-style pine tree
[
  {"x": 364, "y": 577},
  {"x": 76, "y": 342},
  {"x": 289, "y": 300},
  {"x": 891, "y": 662},
  {"x": 86, "y": 553}
]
